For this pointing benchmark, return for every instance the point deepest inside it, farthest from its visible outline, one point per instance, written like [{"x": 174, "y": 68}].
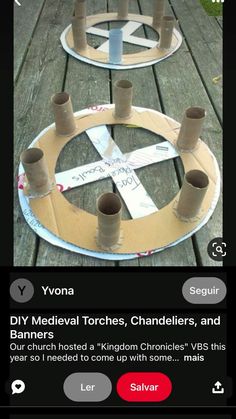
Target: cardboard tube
[
  {"x": 79, "y": 33},
  {"x": 36, "y": 171},
  {"x": 194, "y": 188},
  {"x": 191, "y": 128},
  {"x": 123, "y": 94},
  {"x": 167, "y": 27},
  {"x": 123, "y": 9},
  {"x": 109, "y": 210},
  {"x": 80, "y": 8},
  {"x": 158, "y": 12},
  {"x": 63, "y": 113},
  {"x": 115, "y": 46}
]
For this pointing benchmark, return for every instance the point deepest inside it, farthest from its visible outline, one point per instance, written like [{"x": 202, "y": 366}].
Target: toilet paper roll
[
  {"x": 80, "y": 8},
  {"x": 123, "y": 94},
  {"x": 193, "y": 191},
  {"x": 167, "y": 27},
  {"x": 63, "y": 113},
  {"x": 123, "y": 9},
  {"x": 109, "y": 210},
  {"x": 36, "y": 171},
  {"x": 191, "y": 128},
  {"x": 79, "y": 33},
  {"x": 158, "y": 12}
]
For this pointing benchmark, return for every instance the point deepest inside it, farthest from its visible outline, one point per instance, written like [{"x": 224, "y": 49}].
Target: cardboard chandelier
[
  {"x": 110, "y": 54},
  {"x": 106, "y": 235}
]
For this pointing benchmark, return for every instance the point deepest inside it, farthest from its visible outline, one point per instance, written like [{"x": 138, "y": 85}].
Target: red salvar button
[{"x": 144, "y": 387}]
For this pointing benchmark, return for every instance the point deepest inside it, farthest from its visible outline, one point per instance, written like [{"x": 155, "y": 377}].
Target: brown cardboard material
[
  {"x": 155, "y": 231},
  {"x": 109, "y": 210},
  {"x": 193, "y": 191},
  {"x": 63, "y": 113},
  {"x": 158, "y": 12},
  {"x": 81, "y": 8},
  {"x": 123, "y": 9},
  {"x": 145, "y": 56},
  {"x": 36, "y": 172},
  {"x": 191, "y": 128},
  {"x": 123, "y": 94},
  {"x": 167, "y": 27},
  {"x": 79, "y": 34}
]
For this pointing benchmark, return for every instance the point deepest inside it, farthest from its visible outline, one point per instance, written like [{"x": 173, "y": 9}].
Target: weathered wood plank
[
  {"x": 87, "y": 85},
  {"x": 180, "y": 87},
  {"x": 204, "y": 38},
  {"x": 152, "y": 177},
  {"x": 220, "y": 21},
  {"x": 42, "y": 74},
  {"x": 25, "y": 20}
]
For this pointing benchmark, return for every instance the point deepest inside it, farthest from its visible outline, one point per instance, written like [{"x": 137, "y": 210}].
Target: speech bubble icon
[{"x": 17, "y": 386}]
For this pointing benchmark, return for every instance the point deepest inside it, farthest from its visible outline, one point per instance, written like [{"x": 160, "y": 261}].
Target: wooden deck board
[
  {"x": 181, "y": 86},
  {"x": 38, "y": 80},
  {"x": 220, "y": 21},
  {"x": 204, "y": 39},
  {"x": 25, "y": 21}
]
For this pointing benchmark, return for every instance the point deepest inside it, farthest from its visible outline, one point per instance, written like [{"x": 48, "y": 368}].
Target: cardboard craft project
[
  {"x": 110, "y": 54},
  {"x": 106, "y": 235}
]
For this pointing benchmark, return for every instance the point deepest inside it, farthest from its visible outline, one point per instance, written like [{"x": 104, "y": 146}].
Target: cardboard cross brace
[
  {"x": 74, "y": 37},
  {"x": 182, "y": 217}
]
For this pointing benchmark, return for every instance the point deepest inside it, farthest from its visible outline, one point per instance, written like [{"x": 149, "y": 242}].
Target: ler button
[{"x": 87, "y": 387}]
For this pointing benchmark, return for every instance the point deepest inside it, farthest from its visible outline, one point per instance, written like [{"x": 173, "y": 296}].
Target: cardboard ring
[
  {"x": 129, "y": 61},
  {"x": 163, "y": 227}
]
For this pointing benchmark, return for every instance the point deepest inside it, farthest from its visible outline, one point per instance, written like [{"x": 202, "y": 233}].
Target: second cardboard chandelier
[{"x": 110, "y": 54}]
